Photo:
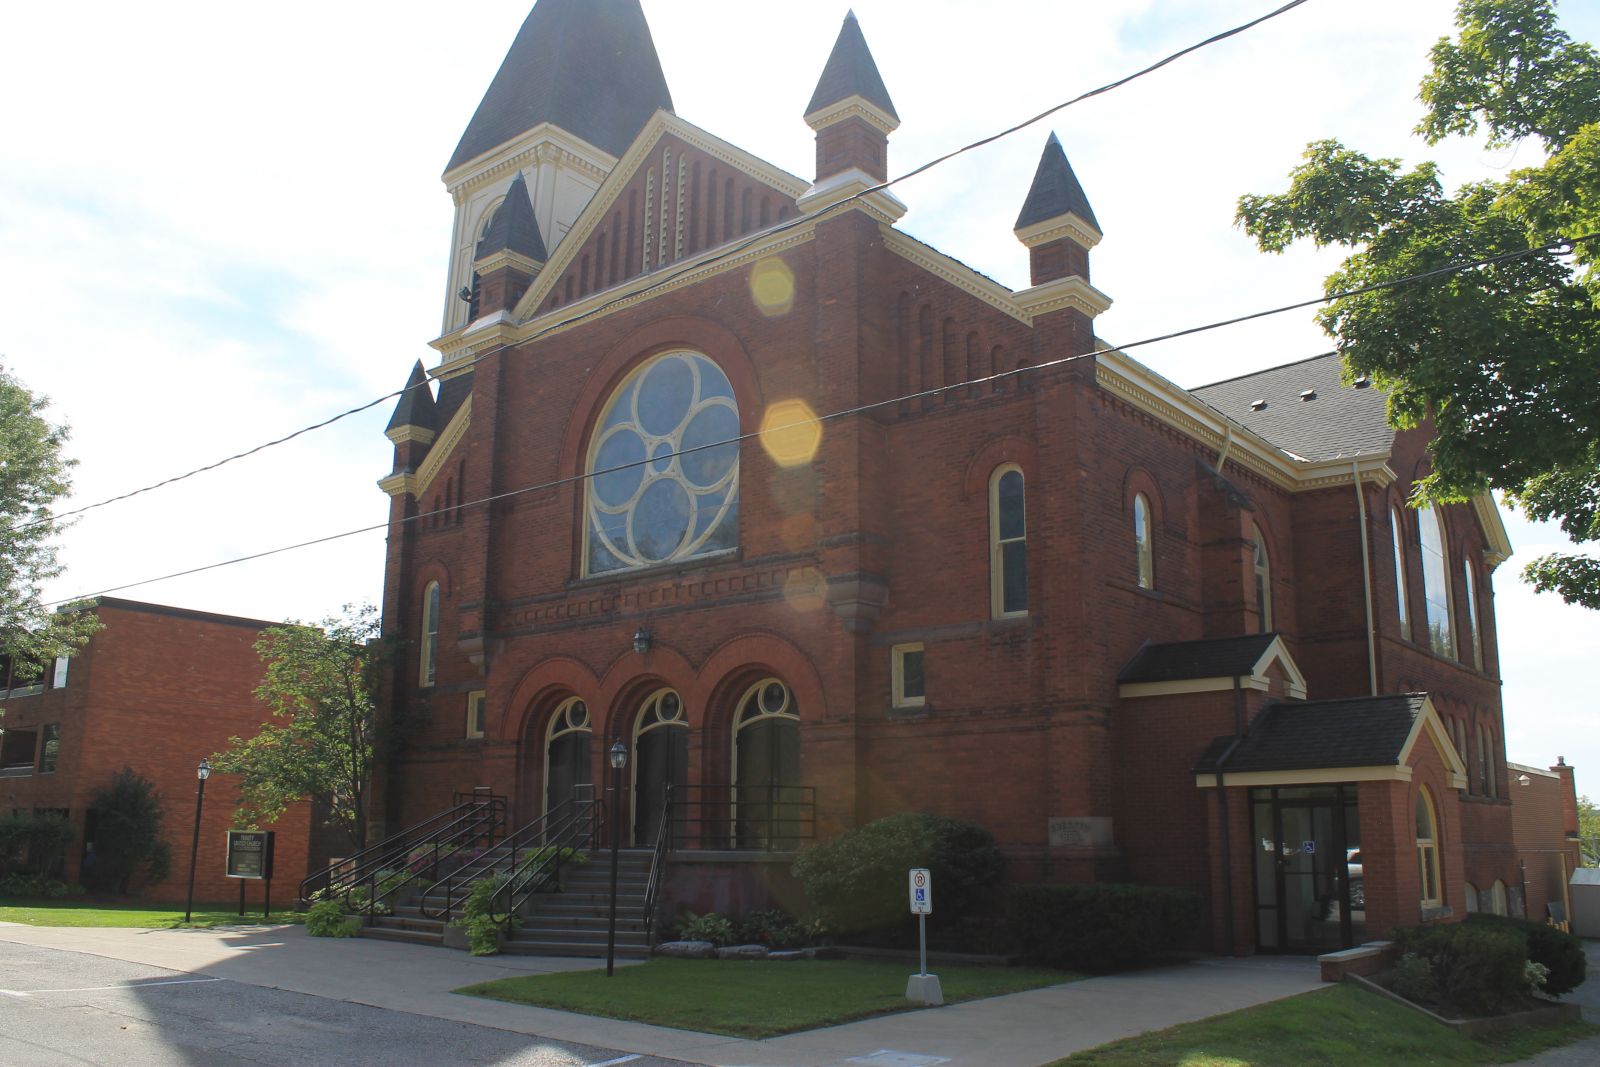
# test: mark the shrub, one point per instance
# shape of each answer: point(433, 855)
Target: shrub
point(1479, 969)
point(483, 932)
point(36, 886)
point(857, 882)
point(328, 920)
point(33, 844)
point(775, 929)
point(1561, 952)
point(1413, 979)
point(128, 836)
point(708, 927)
point(1100, 927)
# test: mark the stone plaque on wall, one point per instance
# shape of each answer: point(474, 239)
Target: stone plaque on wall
point(1087, 831)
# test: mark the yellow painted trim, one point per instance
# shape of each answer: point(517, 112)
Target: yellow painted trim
point(1429, 720)
point(605, 197)
point(1174, 688)
point(400, 484)
point(1070, 225)
point(1313, 776)
point(897, 656)
point(955, 272)
point(447, 442)
point(1257, 680)
point(997, 591)
point(1494, 530)
point(402, 434)
point(481, 698)
point(1072, 291)
point(853, 106)
point(504, 257)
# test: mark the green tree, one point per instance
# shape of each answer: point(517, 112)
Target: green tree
point(1504, 358)
point(320, 685)
point(1589, 831)
point(128, 818)
point(33, 476)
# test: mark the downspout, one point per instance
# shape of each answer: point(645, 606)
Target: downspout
point(1366, 580)
point(1222, 807)
point(1227, 446)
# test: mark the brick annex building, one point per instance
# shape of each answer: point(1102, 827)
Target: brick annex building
point(1142, 633)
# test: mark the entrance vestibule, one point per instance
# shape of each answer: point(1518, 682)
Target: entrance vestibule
point(1310, 887)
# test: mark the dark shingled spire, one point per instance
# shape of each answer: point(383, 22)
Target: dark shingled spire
point(1055, 190)
point(513, 228)
point(850, 72)
point(416, 407)
point(587, 66)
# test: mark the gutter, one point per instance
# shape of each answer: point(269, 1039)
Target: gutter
point(1222, 807)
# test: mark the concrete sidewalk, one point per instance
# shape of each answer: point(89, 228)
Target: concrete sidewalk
point(1019, 1030)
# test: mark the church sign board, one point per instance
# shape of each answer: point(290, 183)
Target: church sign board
point(250, 854)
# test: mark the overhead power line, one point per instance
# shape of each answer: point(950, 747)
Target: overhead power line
point(671, 276)
point(859, 409)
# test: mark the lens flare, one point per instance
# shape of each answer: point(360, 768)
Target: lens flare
point(805, 589)
point(791, 433)
point(772, 286)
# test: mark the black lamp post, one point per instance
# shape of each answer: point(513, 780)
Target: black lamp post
point(202, 772)
point(619, 759)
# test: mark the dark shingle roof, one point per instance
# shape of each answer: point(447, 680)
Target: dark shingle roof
point(1340, 420)
point(850, 71)
point(1055, 190)
point(416, 406)
point(513, 227)
point(1222, 657)
point(453, 392)
point(587, 66)
point(1359, 732)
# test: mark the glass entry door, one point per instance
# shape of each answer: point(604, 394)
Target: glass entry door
point(1310, 895)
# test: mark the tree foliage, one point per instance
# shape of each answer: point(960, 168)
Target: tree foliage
point(128, 842)
point(33, 476)
point(320, 685)
point(1504, 358)
point(1589, 831)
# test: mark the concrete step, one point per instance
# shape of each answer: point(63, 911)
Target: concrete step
point(412, 937)
point(573, 948)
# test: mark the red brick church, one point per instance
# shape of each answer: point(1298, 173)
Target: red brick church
point(823, 525)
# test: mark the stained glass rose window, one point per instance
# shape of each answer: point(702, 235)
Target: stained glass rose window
point(661, 487)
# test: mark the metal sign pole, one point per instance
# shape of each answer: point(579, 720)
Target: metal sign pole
point(922, 986)
point(922, 937)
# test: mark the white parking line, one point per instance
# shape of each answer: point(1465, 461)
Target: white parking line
point(100, 988)
point(613, 1063)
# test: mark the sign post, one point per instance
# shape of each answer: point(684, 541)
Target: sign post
point(922, 986)
point(250, 858)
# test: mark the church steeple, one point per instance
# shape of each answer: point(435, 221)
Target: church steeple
point(851, 110)
point(1056, 223)
point(587, 66)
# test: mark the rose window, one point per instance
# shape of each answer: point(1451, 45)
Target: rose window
point(664, 467)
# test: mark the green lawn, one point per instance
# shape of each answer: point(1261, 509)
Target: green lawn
point(1342, 1026)
point(753, 998)
point(163, 917)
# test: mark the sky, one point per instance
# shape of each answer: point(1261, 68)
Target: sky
point(220, 223)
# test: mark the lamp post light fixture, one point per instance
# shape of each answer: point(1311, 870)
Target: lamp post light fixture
point(641, 645)
point(202, 772)
point(619, 759)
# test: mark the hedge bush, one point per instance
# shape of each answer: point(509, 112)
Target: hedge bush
point(857, 881)
point(327, 919)
point(1561, 952)
point(1478, 969)
point(1101, 927)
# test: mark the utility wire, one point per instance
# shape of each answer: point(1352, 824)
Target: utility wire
point(571, 479)
point(733, 250)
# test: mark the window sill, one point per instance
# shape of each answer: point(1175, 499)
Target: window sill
point(16, 772)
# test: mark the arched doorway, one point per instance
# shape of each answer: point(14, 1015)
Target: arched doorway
point(661, 745)
point(566, 754)
point(766, 767)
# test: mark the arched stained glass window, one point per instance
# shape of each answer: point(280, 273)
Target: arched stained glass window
point(663, 487)
point(1435, 581)
point(429, 658)
point(1428, 849)
point(1470, 585)
point(1263, 569)
point(1008, 543)
point(1144, 542)
point(1400, 572)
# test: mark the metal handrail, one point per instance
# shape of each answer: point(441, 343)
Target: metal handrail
point(542, 868)
point(464, 822)
point(754, 818)
point(532, 835)
point(658, 863)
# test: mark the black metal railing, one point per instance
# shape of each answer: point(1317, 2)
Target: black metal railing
point(365, 881)
point(772, 818)
point(658, 863)
point(528, 859)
